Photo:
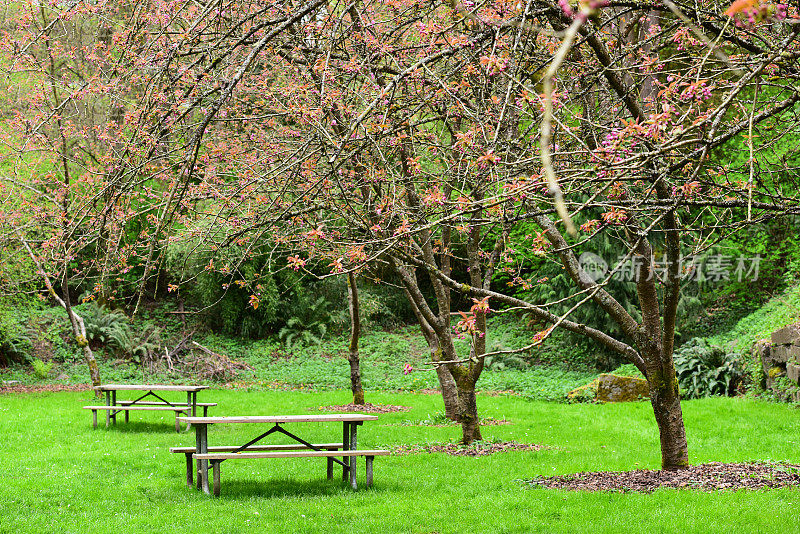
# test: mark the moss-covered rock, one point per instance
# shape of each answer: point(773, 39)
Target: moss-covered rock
point(614, 388)
point(587, 393)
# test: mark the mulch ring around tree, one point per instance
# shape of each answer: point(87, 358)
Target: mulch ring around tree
point(485, 421)
point(478, 448)
point(707, 477)
point(363, 408)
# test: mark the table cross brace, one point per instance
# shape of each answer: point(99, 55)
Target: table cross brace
point(115, 412)
point(154, 395)
point(279, 428)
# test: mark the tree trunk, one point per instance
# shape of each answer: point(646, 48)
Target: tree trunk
point(468, 414)
point(78, 326)
point(355, 333)
point(666, 402)
point(449, 392)
point(79, 332)
point(446, 381)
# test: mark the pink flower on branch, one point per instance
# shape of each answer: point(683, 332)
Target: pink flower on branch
point(295, 262)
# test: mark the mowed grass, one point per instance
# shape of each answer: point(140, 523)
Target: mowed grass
point(60, 475)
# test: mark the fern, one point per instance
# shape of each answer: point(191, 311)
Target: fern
point(41, 369)
point(705, 369)
point(298, 333)
point(113, 329)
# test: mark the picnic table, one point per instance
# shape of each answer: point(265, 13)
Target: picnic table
point(112, 407)
point(343, 453)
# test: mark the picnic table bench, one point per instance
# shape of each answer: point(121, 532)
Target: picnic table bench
point(112, 407)
point(344, 453)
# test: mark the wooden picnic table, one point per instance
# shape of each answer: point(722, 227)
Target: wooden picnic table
point(349, 446)
point(112, 407)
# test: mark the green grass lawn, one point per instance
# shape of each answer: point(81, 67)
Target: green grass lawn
point(60, 475)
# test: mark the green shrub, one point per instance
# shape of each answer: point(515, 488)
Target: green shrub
point(297, 334)
point(587, 393)
point(113, 329)
point(784, 389)
point(704, 369)
point(15, 340)
point(498, 362)
point(627, 370)
point(104, 326)
point(41, 369)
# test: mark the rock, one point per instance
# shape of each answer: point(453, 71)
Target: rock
point(793, 372)
point(786, 335)
point(10, 382)
point(761, 352)
point(62, 376)
point(613, 388)
point(586, 393)
point(780, 354)
point(775, 372)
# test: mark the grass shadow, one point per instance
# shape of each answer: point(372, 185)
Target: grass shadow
point(134, 427)
point(289, 487)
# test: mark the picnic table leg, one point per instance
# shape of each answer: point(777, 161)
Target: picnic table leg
point(114, 403)
point(215, 465)
point(189, 469)
point(108, 412)
point(94, 419)
point(345, 447)
point(191, 400)
point(353, 462)
point(369, 470)
point(330, 468)
point(201, 447)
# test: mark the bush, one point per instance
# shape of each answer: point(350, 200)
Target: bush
point(784, 389)
point(704, 369)
point(498, 362)
point(298, 334)
point(41, 369)
point(15, 341)
point(113, 330)
point(104, 326)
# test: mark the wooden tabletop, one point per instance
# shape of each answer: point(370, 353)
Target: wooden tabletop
point(147, 387)
point(314, 418)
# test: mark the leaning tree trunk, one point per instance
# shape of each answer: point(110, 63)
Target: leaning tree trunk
point(76, 321)
point(446, 382)
point(355, 334)
point(79, 332)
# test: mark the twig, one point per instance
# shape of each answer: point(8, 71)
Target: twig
point(547, 119)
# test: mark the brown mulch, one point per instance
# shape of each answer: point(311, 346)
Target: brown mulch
point(475, 449)
point(42, 388)
point(707, 477)
point(363, 408)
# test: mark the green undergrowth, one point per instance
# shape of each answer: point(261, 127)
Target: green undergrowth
point(61, 476)
point(324, 366)
point(779, 311)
